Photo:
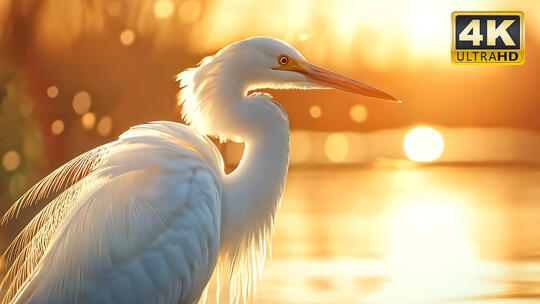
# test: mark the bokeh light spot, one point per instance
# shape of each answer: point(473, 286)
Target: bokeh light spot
point(163, 8)
point(336, 147)
point(104, 126)
point(127, 37)
point(315, 111)
point(52, 91)
point(358, 113)
point(57, 127)
point(300, 146)
point(303, 37)
point(11, 160)
point(189, 11)
point(88, 120)
point(423, 144)
point(82, 102)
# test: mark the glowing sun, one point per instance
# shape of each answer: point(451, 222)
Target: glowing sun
point(423, 144)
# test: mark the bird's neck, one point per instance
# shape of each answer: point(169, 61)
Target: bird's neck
point(215, 103)
point(252, 192)
point(251, 196)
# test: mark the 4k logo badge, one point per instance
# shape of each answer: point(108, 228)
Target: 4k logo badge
point(488, 38)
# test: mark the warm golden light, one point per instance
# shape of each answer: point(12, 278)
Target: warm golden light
point(336, 147)
point(88, 120)
point(114, 8)
point(429, 238)
point(127, 37)
point(11, 160)
point(104, 126)
point(358, 113)
point(163, 8)
point(52, 91)
point(427, 242)
point(315, 111)
point(57, 127)
point(423, 144)
point(189, 11)
point(362, 221)
point(300, 146)
point(82, 102)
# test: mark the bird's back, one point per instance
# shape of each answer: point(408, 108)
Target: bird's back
point(139, 224)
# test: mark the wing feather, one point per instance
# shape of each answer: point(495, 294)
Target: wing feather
point(26, 249)
point(69, 186)
point(59, 180)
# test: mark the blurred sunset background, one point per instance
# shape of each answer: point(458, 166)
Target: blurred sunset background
point(433, 200)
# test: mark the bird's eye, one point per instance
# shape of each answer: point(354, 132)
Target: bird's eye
point(283, 60)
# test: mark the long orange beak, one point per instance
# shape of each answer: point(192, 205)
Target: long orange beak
point(344, 83)
point(328, 78)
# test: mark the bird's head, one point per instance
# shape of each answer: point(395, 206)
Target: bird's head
point(271, 63)
point(211, 93)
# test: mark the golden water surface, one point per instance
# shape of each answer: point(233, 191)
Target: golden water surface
point(407, 234)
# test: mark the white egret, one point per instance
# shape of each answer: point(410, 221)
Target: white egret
point(152, 217)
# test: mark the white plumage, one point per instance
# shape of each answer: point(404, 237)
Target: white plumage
point(152, 217)
point(142, 223)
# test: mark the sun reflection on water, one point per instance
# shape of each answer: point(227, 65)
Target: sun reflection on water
point(430, 254)
point(404, 235)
